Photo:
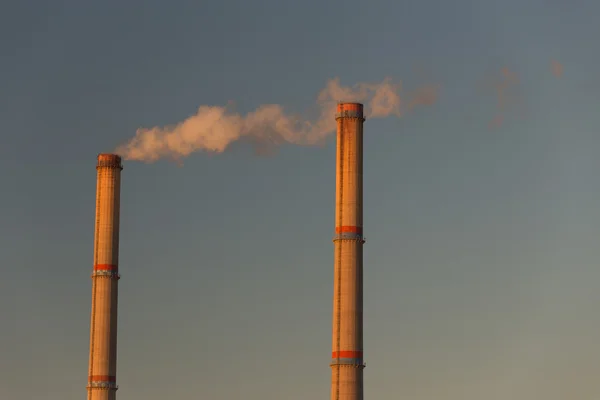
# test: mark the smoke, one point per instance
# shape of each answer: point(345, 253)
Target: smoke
point(503, 95)
point(423, 96)
point(496, 122)
point(505, 86)
point(557, 68)
point(214, 128)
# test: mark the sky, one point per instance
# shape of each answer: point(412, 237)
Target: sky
point(480, 210)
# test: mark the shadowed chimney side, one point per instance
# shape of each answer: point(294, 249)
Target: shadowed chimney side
point(102, 374)
point(347, 348)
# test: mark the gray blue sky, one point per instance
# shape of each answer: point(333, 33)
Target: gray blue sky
point(481, 276)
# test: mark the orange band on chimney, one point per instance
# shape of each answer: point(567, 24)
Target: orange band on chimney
point(105, 267)
point(347, 354)
point(348, 228)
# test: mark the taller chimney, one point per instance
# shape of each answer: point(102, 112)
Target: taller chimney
point(347, 350)
point(102, 374)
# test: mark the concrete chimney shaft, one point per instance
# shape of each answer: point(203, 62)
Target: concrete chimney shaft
point(347, 340)
point(102, 374)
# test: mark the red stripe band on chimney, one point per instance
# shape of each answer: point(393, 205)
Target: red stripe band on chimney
point(348, 228)
point(347, 354)
point(106, 267)
point(102, 378)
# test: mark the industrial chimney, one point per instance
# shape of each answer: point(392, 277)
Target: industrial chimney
point(102, 379)
point(347, 348)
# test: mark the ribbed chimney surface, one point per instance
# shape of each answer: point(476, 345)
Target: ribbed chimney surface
point(347, 348)
point(102, 375)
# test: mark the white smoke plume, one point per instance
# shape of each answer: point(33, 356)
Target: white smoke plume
point(213, 128)
point(557, 68)
point(505, 86)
